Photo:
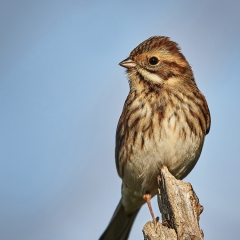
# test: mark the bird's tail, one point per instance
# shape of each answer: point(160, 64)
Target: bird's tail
point(120, 224)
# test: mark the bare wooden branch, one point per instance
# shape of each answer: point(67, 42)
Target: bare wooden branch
point(180, 209)
point(156, 231)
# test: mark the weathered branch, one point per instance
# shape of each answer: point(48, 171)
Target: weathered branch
point(180, 209)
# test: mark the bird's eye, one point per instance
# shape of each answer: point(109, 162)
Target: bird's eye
point(153, 60)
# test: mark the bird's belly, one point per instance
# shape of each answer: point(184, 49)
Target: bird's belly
point(179, 152)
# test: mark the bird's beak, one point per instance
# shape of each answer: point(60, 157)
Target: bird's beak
point(128, 63)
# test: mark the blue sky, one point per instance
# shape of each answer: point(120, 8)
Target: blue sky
point(62, 92)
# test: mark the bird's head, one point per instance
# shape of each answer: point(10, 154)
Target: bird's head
point(159, 61)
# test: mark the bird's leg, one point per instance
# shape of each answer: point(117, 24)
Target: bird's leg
point(147, 197)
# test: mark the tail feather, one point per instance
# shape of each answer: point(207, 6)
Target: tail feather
point(120, 224)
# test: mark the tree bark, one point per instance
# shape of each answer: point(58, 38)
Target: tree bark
point(180, 209)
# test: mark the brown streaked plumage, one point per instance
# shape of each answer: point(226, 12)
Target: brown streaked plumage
point(164, 121)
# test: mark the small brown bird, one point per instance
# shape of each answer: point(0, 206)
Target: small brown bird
point(164, 121)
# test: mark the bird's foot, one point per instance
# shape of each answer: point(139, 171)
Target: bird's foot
point(147, 197)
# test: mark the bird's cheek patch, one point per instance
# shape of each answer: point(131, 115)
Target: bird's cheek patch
point(173, 80)
point(152, 77)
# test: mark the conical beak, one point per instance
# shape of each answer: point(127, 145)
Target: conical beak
point(128, 63)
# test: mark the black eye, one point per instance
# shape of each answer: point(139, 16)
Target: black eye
point(153, 60)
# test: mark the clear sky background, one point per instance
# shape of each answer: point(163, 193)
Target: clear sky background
point(62, 92)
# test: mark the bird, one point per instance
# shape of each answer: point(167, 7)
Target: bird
point(164, 121)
